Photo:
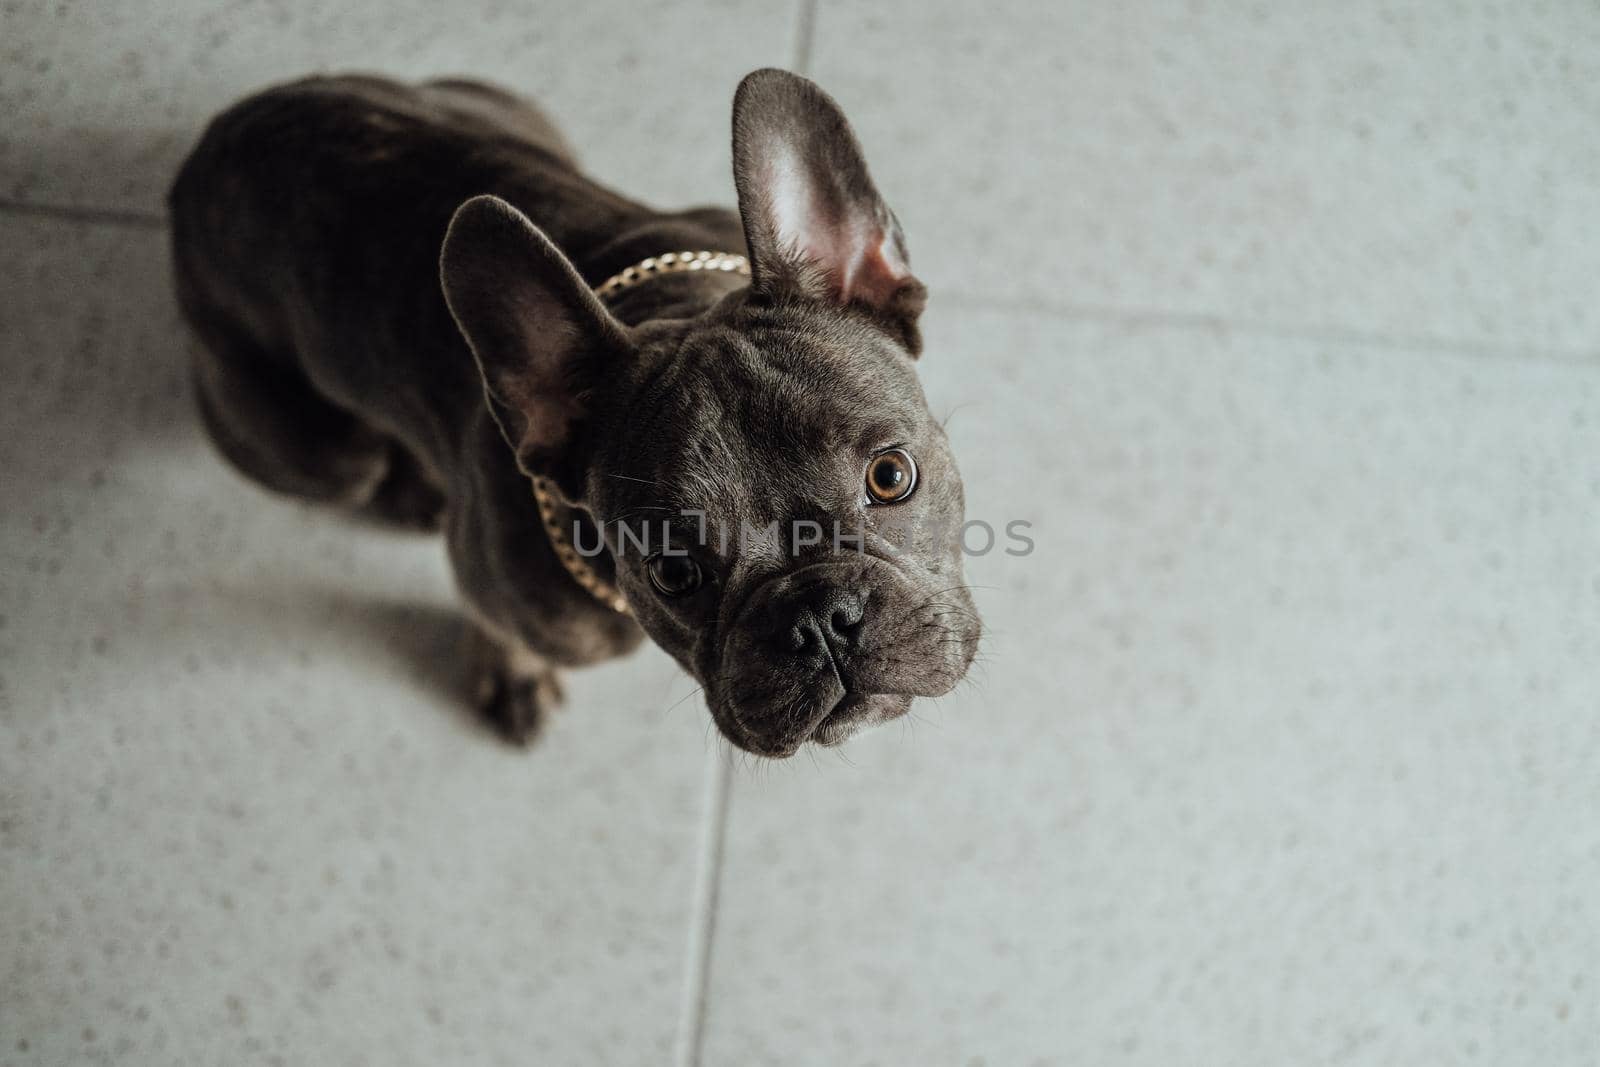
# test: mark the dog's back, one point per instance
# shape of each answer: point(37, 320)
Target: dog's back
point(309, 173)
point(308, 207)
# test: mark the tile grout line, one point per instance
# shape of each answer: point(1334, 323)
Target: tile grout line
point(1201, 320)
point(703, 918)
point(805, 34)
point(1147, 316)
point(72, 213)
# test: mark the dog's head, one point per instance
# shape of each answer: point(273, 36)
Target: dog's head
point(783, 509)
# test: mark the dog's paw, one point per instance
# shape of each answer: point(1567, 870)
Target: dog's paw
point(516, 705)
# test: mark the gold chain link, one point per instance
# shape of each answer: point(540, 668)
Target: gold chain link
point(672, 263)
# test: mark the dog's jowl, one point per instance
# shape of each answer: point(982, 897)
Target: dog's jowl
point(704, 426)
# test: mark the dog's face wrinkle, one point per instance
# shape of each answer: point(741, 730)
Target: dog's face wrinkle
point(905, 635)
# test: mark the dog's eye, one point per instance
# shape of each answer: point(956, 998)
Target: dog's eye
point(674, 575)
point(891, 476)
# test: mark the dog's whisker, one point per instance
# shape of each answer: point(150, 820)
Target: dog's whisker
point(631, 478)
point(696, 692)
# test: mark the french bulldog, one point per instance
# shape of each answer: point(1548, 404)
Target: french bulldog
point(394, 292)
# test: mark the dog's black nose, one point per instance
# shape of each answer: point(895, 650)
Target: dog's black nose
point(826, 619)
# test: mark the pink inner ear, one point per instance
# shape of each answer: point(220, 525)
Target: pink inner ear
point(859, 259)
point(854, 251)
point(874, 272)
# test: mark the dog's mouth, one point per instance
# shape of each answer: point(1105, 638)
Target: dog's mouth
point(857, 712)
point(839, 716)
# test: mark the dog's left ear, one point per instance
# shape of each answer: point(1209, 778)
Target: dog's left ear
point(814, 222)
point(544, 343)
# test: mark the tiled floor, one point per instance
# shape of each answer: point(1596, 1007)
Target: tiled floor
point(1279, 324)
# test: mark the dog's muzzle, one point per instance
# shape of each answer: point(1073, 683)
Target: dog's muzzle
point(818, 653)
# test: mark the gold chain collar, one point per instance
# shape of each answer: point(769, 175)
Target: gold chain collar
point(671, 263)
point(544, 492)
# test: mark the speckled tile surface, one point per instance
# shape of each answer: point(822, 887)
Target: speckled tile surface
point(1277, 322)
point(103, 100)
point(243, 816)
point(1417, 170)
point(1283, 747)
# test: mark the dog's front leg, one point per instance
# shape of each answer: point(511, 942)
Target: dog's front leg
point(497, 547)
point(528, 616)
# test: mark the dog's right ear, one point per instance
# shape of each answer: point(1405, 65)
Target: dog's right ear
point(543, 341)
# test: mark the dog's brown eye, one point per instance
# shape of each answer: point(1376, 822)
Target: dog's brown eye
point(674, 575)
point(891, 476)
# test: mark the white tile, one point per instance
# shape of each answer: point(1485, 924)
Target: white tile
point(1282, 748)
point(103, 100)
point(1418, 170)
point(244, 816)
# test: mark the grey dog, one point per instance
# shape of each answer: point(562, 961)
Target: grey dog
point(395, 292)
